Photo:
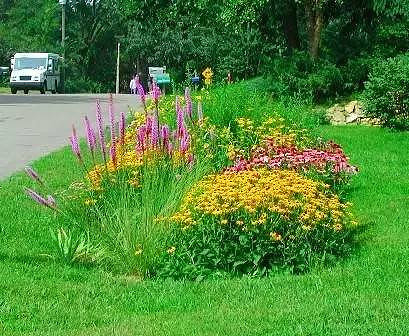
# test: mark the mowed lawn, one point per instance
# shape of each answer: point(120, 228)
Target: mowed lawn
point(366, 294)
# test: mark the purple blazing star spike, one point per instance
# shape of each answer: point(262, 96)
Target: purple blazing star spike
point(51, 201)
point(140, 90)
point(155, 92)
point(112, 118)
point(100, 123)
point(148, 126)
point(75, 145)
point(112, 152)
point(33, 174)
point(155, 131)
point(188, 101)
point(141, 138)
point(179, 117)
point(91, 139)
point(200, 111)
point(37, 197)
point(122, 125)
point(184, 143)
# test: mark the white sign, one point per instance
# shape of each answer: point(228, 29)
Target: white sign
point(63, 2)
point(153, 71)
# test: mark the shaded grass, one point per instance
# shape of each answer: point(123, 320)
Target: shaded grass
point(367, 294)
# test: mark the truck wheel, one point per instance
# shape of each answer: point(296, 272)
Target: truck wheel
point(13, 90)
point(25, 91)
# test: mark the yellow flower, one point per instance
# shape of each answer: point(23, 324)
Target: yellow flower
point(138, 252)
point(89, 202)
point(171, 250)
point(275, 236)
point(223, 221)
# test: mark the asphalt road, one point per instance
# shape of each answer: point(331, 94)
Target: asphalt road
point(34, 125)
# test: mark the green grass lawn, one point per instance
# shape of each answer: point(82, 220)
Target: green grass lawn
point(4, 89)
point(366, 294)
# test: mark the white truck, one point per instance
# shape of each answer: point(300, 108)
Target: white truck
point(35, 71)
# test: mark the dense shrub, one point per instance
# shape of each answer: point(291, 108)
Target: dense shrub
point(83, 85)
point(297, 75)
point(386, 94)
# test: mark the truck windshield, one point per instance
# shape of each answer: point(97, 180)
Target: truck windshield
point(30, 63)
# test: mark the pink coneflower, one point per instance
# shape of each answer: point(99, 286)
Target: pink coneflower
point(188, 101)
point(33, 174)
point(100, 123)
point(112, 118)
point(91, 139)
point(37, 197)
point(74, 144)
point(122, 126)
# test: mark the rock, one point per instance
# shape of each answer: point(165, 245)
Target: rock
point(352, 117)
point(338, 117)
point(351, 107)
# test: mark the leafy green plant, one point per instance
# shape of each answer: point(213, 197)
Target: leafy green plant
point(386, 94)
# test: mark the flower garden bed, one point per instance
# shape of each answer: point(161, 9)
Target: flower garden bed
point(201, 199)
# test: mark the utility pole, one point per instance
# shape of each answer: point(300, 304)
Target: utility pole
point(63, 3)
point(117, 70)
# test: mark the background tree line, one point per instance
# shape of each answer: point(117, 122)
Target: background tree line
point(326, 46)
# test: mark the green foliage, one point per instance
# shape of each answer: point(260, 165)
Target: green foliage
point(209, 249)
point(386, 94)
point(298, 76)
point(83, 85)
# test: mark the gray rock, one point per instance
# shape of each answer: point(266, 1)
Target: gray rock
point(352, 117)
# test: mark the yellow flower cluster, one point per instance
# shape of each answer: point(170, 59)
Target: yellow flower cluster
point(260, 193)
point(273, 128)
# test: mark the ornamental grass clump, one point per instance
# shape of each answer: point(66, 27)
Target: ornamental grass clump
point(133, 176)
point(254, 222)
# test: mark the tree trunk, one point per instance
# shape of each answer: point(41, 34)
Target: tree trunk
point(315, 22)
point(290, 25)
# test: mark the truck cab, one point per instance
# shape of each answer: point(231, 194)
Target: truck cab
point(35, 71)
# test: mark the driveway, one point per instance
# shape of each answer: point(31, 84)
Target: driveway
point(34, 125)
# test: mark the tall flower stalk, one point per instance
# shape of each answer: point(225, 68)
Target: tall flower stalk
point(188, 101)
point(100, 124)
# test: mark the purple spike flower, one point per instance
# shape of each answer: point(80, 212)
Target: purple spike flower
point(188, 100)
point(100, 123)
point(91, 139)
point(75, 145)
point(149, 126)
point(112, 152)
point(179, 118)
point(184, 143)
point(165, 133)
point(33, 174)
point(155, 131)
point(155, 92)
point(122, 126)
point(51, 201)
point(141, 138)
point(140, 90)
point(199, 111)
point(37, 197)
point(112, 118)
